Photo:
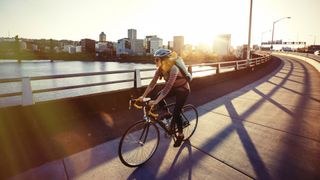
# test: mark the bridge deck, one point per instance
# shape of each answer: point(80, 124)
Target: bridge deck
point(267, 130)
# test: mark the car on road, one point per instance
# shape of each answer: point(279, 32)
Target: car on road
point(317, 53)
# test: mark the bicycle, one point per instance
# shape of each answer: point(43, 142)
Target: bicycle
point(140, 141)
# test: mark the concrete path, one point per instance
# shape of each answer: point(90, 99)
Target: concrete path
point(267, 130)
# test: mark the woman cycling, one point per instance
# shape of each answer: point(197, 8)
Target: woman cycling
point(176, 84)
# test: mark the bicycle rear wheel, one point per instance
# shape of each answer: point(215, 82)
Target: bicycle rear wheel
point(189, 115)
point(139, 143)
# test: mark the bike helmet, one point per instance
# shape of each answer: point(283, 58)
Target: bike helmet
point(162, 53)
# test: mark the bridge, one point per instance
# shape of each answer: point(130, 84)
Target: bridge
point(260, 124)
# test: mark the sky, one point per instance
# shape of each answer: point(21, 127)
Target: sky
point(199, 21)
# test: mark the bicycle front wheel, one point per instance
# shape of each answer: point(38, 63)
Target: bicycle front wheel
point(139, 143)
point(189, 116)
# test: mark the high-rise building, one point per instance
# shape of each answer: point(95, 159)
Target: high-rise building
point(238, 52)
point(88, 45)
point(137, 46)
point(178, 44)
point(123, 46)
point(155, 44)
point(222, 44)
point(102, 37)
point(147, 45)
point(244, 51)
point(170, 45)
point(132, 34)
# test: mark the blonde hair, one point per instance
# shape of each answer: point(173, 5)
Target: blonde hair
point(173, 56)
point(168, 62)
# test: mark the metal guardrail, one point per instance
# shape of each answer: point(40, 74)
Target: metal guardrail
point(27, 92)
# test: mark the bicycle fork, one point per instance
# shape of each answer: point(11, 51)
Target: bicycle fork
point(144, 134)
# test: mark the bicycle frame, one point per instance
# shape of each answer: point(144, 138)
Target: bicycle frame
point(150, 117)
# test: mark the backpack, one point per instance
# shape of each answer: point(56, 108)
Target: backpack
point(183, 69)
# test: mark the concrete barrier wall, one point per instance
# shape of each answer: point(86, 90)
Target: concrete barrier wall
point(315, 63)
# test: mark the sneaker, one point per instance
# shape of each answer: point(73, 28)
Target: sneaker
point(171, 131)
point(167, 115)
point(179, 140)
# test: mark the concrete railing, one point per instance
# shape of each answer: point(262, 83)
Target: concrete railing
point(27, 92)
point(307, 55)
point(312, 59)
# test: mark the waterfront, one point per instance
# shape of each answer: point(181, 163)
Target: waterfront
point(12, 69)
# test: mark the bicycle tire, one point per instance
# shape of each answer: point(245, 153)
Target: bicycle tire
point(189, 115)
point(141, 130)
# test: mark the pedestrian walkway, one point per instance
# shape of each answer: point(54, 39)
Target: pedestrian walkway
point(269, 129)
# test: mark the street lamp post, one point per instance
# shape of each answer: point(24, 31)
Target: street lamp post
point(262, 36)
point(314, 39)
point(249, 36)
point(273, 29)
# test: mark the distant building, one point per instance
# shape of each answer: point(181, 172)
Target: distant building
point(244, 51)
point(222, 44)
point(102, 37)
point(34, 47)
point(255, 47)
point(66, 48)
point(313, 48)
point(147, 44)
point(101, 46)
point(105, 49)
point(155, 44)
point(178, 44)
point(132, 34)
point(170, 45)
point(137, 46)
point(123, 46)
point(88, 45)
point(71, 49)
point(62, 43)
point(78, 49)
point(238, 52)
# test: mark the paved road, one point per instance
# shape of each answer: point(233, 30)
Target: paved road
point(266, 130)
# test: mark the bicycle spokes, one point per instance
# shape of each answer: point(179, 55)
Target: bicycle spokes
point(138, 144)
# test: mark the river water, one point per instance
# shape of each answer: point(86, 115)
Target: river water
point(12, 69)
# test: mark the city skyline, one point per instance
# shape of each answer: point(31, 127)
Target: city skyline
point(198, 21)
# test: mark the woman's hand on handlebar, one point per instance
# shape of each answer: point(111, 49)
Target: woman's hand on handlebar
point(152, 103)
point(140, 99)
